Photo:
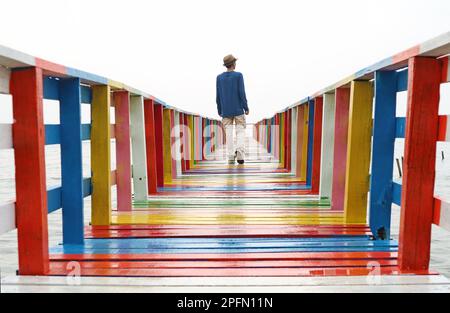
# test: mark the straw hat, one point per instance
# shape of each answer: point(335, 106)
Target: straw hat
point(228, 60)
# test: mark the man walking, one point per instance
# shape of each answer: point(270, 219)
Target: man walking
point(231, 106)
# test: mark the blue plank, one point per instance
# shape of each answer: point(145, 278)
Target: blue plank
point(52, 135)
point(397, 193)
point(51, 88)
point(384, 134)
point(402, 80)
point(71, 161)
point(310, 142)
point(400, 123)
point(86, 132)
point(53, 199)
point(238, 188)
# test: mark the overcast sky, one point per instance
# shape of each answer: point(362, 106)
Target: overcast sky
point(174, 49)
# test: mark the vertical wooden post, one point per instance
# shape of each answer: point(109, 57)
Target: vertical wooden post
point(326, 172)
point(187, 142)
point(287, 162)
point(167, 147)
point(101, 156)
point(123, 150)
point(340, 148)
point(358, 152)
point(150, 141)
point(317, 145)
point(71, 161)
point(309, 167)
point(182, 142)
point(139, 148)
point(26, 88)
point(419, 164)
point(177, 144)
point(282, 140)
point(300, 140)
point(294, 140)
point(159, 140)
point(384, 128)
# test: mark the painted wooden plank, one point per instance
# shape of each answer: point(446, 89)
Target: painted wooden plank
point(6, 139)
point(445, 69)
point(71, 161)
point(139, 153)
point(400, 127)
point(317, 145)
point(397, 193)
point(444, 128)
point(384, 133)
point(340, 148)
point(167, 147)
point(358, 152)
point(158, 110)
point(152, 172)
point(100, 155)
point(442, 215)
point(326, 164)
point(300, 140)
point(123, 150)
point(294, 123)
point(173, 143)
point(419, 163)
point(304, 152)
point(5, 76)
point(288, 128)
point(52, 135)
point(311, 121)
point(7, 217)
point(31, 192)
point(177, 128)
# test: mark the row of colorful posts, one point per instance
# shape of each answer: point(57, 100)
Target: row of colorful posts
point(340, 141)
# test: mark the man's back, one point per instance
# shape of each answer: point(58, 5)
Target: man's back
point(231, 98)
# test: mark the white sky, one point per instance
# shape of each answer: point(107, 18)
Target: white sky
point(174, 49)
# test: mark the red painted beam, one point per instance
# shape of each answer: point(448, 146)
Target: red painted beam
point(317, 145)
point(123, 150)
point(288, 140)
point(31, 191)
point(340, 148)
point(187, 142)
point(419, 164)
point(151, 147)
point(159, 139)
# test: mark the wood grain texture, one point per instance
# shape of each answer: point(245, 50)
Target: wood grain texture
point(317, 145)
point(167, 147)
point(358, 152)
point(159, 141)
point(326, 164)
point(340, 148)
point(150, 142)
point(123, 150)
point(29, 156)
point(100, 155)
point(71, 161)
point(384, 134)
point(139, 150)
point(419, 163)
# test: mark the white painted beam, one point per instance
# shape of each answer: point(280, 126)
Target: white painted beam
point(5, 75)
point(139, 155)
point(7, 217)
point(6, 141)
point(326, 170)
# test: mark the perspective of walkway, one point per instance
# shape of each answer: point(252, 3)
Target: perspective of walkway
point(309, 211)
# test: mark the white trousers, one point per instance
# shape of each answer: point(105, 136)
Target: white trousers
point(228, 123)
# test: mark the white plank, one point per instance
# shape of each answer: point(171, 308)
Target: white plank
point(7, 217)
point(326, 164)
point(6, 141)
point(138, 148)
point(5, 75)
point(445, 216)
point(447, 133)
point(294, 140)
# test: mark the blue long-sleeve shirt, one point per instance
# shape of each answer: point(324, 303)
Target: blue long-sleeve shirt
point(231, 99)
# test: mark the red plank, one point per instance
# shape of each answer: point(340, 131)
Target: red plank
point(123, 150)
point(31, 192)
point(172, 143)
point(182, 142)
point(150, 143)
point(317, 145)
point(287, 140)
point(294, 256)
point(340, 148)
point(419, 163)
point(187, 142)
point(158, 110)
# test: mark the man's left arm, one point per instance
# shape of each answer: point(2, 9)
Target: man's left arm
point(242, 94)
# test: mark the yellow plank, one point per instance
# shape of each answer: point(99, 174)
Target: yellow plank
point(100, 156)
point(167, 147)
point(304, 165)
point(282, 146)
point(358, 152)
